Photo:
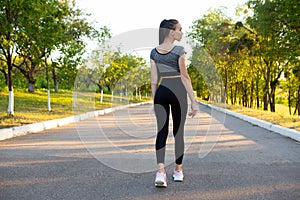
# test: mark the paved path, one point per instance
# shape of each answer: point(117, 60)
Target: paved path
point(112, 157)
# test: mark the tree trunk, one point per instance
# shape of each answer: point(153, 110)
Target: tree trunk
point(266, 88)
point(299, 101)
point(140, 94)
point(257, 93)
point(136, 93)
point(251, 94)
point(74, 99)
point(272, 102)
point(235, 93)
point(10, 109)
point(30, 86)
point(273, 84)
point(272, 97)
point(289, 100)
point(48, 85)
point(225, 89)
point(31, 79)
point(231, 94)
point(298, 106)
point(266, 101)
point(243, 96)
point(101, 96)
point(54, 75)
point(49, 100)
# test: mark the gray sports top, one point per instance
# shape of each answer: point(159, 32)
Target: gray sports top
point(167, 64)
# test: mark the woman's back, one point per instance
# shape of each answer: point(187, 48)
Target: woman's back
point(167, 63)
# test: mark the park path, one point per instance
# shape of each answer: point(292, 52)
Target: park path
point(112, 157)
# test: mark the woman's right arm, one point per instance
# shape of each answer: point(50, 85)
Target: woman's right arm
point(186, 80)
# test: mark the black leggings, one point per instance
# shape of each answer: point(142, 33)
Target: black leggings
point(171, 92)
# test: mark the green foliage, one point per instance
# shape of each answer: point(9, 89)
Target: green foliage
point(250, 56)
point(123, 71)
point(213, 32)
point(113, 72)
point(50, 26)
point(241, 62)
point(2, 82)
point(205, 77)
point(277, 23)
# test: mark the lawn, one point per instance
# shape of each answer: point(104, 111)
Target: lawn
point(32, 107)
point(281, 115)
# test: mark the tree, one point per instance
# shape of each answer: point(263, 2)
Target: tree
point(55, 26)
point(251, 56)
point(232, 47)
point(269, 20)
point(118, 67)
point(213, 32)
point(205, 75)
point(11, 12)
point(289, 22)
point(51, 25)
point(244, 68)
point(99, 60)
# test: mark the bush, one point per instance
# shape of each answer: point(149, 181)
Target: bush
point(2, 83)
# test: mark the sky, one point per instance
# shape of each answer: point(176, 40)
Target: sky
point(126, 15)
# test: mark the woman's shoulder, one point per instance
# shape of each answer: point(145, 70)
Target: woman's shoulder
point(179, 50)
point(152, 53)
point(178, 47)
point(154, 50)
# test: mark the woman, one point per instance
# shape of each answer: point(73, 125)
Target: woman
point(168, 66)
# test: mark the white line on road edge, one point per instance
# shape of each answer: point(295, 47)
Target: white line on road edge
point(8, 133)
point(293, 134)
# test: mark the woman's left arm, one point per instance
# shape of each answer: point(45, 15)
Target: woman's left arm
point(154, 77)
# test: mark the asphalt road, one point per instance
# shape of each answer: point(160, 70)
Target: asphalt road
point(113, 157)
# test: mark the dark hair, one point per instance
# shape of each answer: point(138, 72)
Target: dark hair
point(165, 27)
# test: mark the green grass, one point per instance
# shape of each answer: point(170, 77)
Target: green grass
point(32, 107)
point(280, 117)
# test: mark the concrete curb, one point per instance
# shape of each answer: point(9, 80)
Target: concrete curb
point(293, 134)
point(8, 133)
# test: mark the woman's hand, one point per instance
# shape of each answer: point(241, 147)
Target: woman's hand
point(194, 110)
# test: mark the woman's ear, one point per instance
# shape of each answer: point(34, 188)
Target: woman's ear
point(172, 32)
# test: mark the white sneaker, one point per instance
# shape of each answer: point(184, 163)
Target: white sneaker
point(178, 176)
point(160, 180)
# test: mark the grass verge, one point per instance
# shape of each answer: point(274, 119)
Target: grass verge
point(280, 117)
point(32, 107)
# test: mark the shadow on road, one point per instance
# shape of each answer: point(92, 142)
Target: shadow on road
point(112, 157)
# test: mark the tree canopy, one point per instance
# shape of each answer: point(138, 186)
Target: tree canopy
point(254, 57)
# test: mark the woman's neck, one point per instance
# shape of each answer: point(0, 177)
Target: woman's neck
point(167, 45)
point(168, 41)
